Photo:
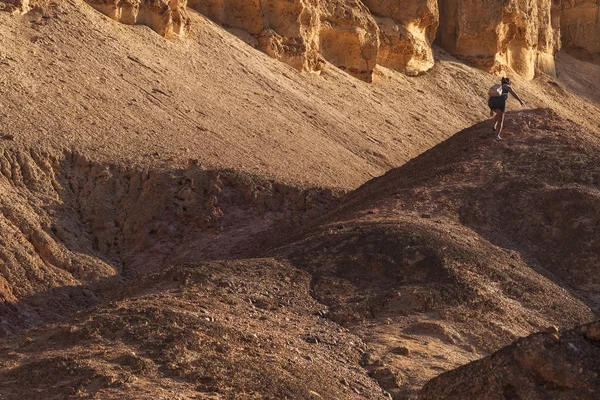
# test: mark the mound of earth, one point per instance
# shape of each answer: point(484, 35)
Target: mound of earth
point(221, 330)
point(535, 194)
point(551, 365)
point(463, 249)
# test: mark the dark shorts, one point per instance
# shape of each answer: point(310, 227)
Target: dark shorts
point(497, 103)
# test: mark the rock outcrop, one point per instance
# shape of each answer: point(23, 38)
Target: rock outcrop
point(557, 365)
point(407, 29)
point(304, 33)
point(520, 34)
point(580, 28)
point(166, 17)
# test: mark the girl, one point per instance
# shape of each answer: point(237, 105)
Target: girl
point(497, 106)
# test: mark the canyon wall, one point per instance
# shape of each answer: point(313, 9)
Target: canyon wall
point(520, 36)
point(407, 29)
point(580, 28)
point(166, 17)
point(496, 35)
point(304, 33)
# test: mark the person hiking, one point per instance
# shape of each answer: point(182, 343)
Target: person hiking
point(497, 103)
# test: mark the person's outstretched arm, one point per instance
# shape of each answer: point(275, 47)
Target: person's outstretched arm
point(515, 95)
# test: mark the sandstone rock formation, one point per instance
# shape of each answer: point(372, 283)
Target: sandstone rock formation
point(304, 33)
point(520, 34)
point(580, 28)
point(407, 29)
point(166, 17)
point(542, 366)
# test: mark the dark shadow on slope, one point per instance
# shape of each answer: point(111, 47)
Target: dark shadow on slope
point(75, 222)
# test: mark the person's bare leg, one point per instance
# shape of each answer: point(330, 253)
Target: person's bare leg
point(496, 118)
point(500, 116)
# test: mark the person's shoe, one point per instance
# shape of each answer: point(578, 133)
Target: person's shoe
point(495, 125)
point(497, 138)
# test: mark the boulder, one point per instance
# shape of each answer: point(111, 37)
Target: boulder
point(549, 365)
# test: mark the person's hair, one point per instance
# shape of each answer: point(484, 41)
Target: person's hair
point(506, 81)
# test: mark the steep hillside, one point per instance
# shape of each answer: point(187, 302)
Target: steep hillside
point(425, 269)
point(73, 79)
point(463, 249)
point(537, 193)
point(115, 140)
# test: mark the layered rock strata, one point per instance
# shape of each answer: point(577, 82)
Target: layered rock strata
point(166, 17)
point(407, 29)
point(304, 33)
point(580, 28)
point(494, 35)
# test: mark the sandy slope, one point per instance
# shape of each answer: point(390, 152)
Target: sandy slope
point(71, 78)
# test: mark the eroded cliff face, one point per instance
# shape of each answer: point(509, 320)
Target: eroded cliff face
point(304, 33)
point(407, 29)
point(166, 17)
point(353, 35)
point(494, 35)
point(580, 28)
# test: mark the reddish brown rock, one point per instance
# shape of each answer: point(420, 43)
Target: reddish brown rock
point(536, 367)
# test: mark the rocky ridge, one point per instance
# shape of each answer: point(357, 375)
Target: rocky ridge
point(460, 250)
point(549, 365)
